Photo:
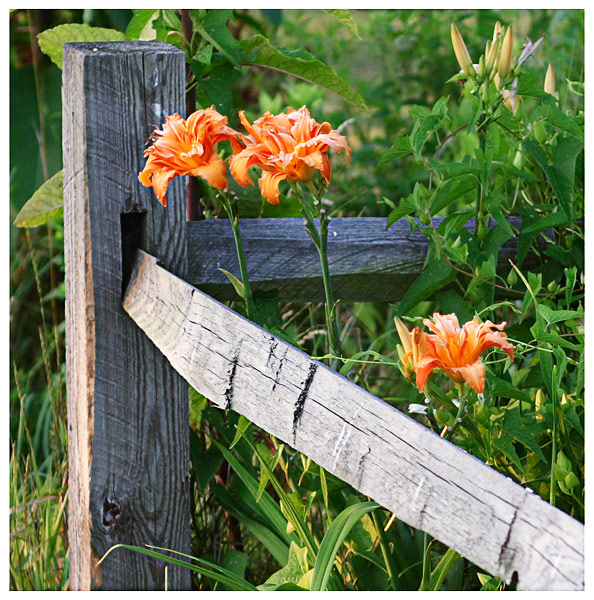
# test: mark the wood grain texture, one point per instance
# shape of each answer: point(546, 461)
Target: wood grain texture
point(367, 263)
point(427, 481)
point(128, 409)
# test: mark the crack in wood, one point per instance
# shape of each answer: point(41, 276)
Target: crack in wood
point(229, 388)
point(299, 405)
point(504, 561)
point(360, 466)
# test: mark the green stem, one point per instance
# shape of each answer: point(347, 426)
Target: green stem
point(463, 401)
point(233, 214)
point(554, 445)
point(320, 240)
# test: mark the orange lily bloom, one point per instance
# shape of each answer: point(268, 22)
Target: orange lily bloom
point(414, 346)
point(456, 351)
point(289, 145)
point(188, 148)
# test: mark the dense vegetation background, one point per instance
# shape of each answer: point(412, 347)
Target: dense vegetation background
point(399, 62)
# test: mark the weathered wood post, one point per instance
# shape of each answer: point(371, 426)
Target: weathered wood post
point(127, 407)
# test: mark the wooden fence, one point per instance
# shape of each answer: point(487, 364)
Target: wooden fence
point(138, 329)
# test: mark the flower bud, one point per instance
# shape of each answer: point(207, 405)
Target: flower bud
point(505, 56)
point(461, 53)
point(491, 54)
point(549, 84)
point(497, 31)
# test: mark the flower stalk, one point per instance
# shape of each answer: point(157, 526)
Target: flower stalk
point(320, 239)
point(230, 205)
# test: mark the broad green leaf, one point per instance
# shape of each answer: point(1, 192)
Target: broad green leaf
point(46, 202)
point(556, 219)
point(406, 207)
point(297, 565)
point(204, 55)
point(140, 26)
point(335, 536)
point(451, 170)
point(523, 432)
point(452, 190)
point(213, 28)
point(51, 41)
point(504, 389)
point(299, 63)
point(560, 173)
point(436, 274)
point(218, 86)
point(505, 443)
point(552, 115)
point(556, 316)
point(420, 132)
point(401, 147)
point(235, 562)
point(204, 567)
point(345, 17)
point(531, 84)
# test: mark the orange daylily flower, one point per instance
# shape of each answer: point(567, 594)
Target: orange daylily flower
point(289, 145)
point(414, 346)
point(456, 351)
point(188, 148)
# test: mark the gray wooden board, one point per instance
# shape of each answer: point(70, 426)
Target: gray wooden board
point(425, 480)
point(128, 409)
point(367, 262)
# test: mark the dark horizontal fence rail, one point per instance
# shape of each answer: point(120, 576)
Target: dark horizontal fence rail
point(367, 262)
point(425, 480)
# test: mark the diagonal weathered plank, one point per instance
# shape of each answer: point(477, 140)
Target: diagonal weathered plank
point(426, 481)
point(367, 262)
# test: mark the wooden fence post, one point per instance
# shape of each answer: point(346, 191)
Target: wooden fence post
point(127, 407)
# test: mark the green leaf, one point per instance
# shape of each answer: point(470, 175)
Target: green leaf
point(401, 147)
point(441, 570)
point(505, 444)
point(556, 219)
point(561, 172)
point(556, 316)
point(299, 63)
point(218, 86)
point(553, 116)
point(436, 274)
point(420, 132)
point(51, 41)
point(335, 536)
point(345, 17)
point(269, 507)
point(522, 432)
point(237, 283)
point(452, 190)
point(242, 425)
point(451, 170)
point(406, 207)
point(240, 509)
point(295, 568)
point(213, 28)
point(140, 26)
point(204, 567)
point(204, 55)
point(46, 202)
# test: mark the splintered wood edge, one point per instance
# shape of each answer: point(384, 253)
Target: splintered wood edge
point(428, 482)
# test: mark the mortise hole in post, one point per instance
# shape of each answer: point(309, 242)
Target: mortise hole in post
point(133, 229)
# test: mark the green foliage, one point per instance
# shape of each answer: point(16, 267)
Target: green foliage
point(425, 145)
point(51, 41)
point(46, 203)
